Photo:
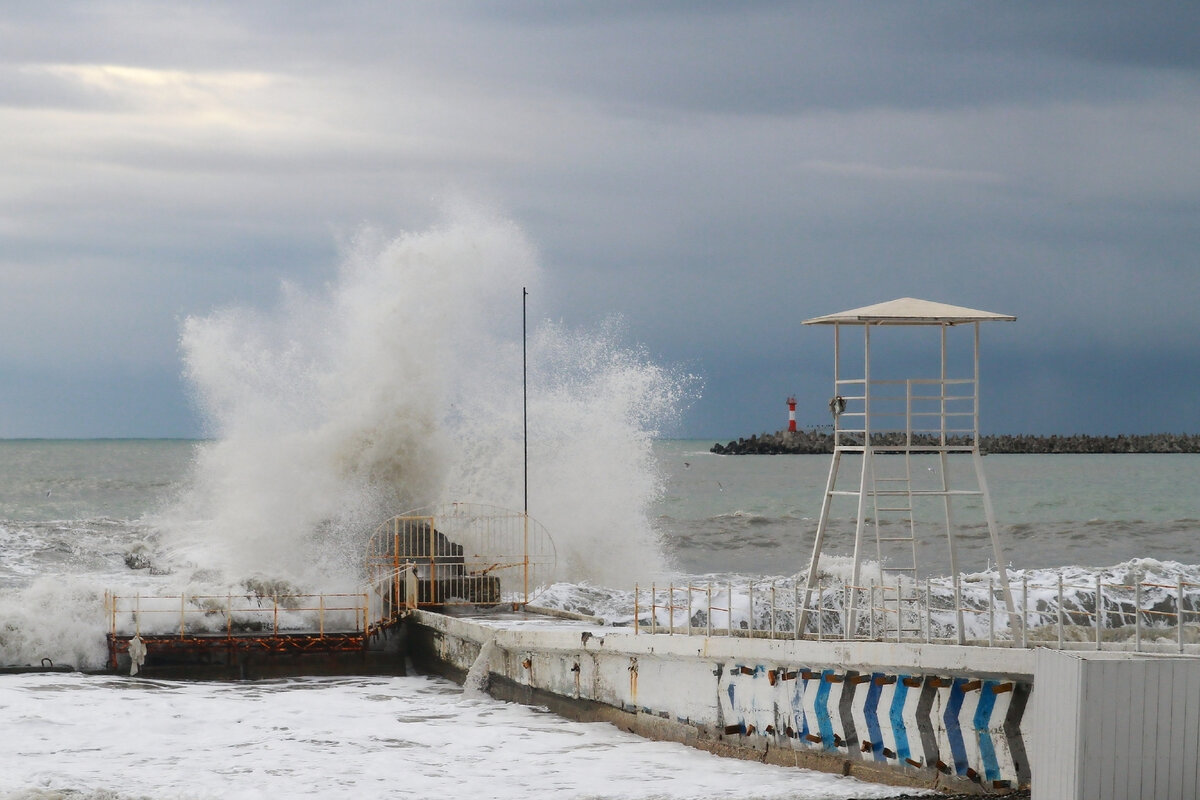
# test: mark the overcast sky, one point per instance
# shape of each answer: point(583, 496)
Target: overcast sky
point(713, 172)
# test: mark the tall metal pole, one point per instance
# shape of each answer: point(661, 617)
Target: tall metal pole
point(525, 433)
point(525, 391)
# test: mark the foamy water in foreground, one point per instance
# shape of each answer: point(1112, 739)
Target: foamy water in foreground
point(345, 737)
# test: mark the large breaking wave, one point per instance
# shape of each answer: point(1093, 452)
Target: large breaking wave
point(398, 385)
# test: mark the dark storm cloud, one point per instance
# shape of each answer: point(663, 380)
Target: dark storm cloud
point(782, 58)
point(716, 172)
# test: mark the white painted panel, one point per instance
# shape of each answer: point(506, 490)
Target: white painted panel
point(1161, 680)
point(1136, 674)
point(1181, 736)
point(1054, 709)
point(966, 723)
point(1158, 713)
point(1099, 726)
point(1190, 774)
point(1091, 718)
point(887, 694)
point(1116, 738)
point(1185, 778)
point(999, 740)
point(1149, 732)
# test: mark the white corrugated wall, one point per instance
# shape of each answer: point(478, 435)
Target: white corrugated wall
point(1115, 727)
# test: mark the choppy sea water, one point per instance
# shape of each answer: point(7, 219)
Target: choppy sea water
point(759, 513)
point(72, 513)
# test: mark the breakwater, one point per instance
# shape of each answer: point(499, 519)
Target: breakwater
point(820, 442)
point(919, 715)
point(984, 720)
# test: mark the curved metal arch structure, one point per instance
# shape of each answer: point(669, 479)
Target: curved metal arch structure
point(462, 554)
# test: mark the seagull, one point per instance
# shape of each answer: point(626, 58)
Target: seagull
point(687, 465)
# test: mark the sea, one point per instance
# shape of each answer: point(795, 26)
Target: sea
point(405, 380)
point(74, 513)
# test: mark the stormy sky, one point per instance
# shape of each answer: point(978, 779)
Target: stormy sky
point(713, 172)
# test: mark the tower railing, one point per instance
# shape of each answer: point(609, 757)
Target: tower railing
point(926, 414)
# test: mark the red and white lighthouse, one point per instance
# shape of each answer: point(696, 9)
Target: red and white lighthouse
point(791, 414)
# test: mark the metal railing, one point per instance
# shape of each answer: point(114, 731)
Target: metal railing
point(230, 613)
point(390, 596)
point(381, 603)
point(1140, 616)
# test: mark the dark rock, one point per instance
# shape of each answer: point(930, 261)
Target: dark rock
point(138, 558)
point(821, 443)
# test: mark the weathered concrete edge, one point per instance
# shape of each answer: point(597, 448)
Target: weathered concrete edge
point(1000, 662)
point(451, 646)
point(701, 737)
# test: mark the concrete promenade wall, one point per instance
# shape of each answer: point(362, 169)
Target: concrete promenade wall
point(936, 716)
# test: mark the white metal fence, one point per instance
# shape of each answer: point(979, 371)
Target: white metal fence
point(195, 614)
point(379, 604)
point(1067, 613)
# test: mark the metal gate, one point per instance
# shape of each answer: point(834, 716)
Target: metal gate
point(464, 554)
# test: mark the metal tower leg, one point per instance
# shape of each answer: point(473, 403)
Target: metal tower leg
point(951, 541)
point(1001, 564)
point(859, 526)
point(875, 521)
point(822, 523)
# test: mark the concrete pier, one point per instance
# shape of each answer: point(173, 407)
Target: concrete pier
point(1069, 724)
point(1081, 725)
point(929, 716)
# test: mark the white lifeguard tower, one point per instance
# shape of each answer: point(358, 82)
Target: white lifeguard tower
point(905, 430)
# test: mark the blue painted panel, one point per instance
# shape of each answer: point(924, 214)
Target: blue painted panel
point(958, 750)
point(983, 724)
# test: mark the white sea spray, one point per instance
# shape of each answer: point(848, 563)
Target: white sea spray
point(53, 620)
point(398, 386)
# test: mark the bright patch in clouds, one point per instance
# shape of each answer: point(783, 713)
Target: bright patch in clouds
point(224, 98)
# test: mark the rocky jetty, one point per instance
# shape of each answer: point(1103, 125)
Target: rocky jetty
point(821, 442)
point(783, 442)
